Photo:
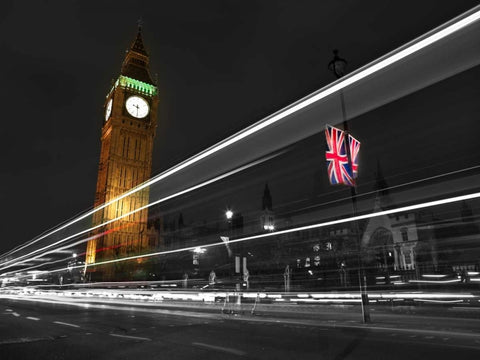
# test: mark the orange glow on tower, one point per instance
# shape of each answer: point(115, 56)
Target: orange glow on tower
point(125, 160)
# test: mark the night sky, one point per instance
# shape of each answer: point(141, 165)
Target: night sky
point(221, 65)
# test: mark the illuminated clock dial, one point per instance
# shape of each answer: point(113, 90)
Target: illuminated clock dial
point(108, 109)
point(137, 107)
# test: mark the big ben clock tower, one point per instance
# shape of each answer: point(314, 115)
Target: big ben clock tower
point(125, 162)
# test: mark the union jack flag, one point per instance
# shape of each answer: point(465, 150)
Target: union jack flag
point(339, 169)
point(354, 150)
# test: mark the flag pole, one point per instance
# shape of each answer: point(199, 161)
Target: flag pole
point(337, 66)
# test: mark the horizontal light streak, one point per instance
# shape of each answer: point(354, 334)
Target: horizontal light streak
point(439, 301)
point(152, 297)
point(300, 228)
point(17, 261)
point(434, 281)
point(348, 80)
point(327, 300)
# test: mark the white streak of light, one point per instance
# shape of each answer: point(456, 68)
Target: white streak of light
point(301, 228)
point(389, 59)
point(434, 281)
point(195, 187)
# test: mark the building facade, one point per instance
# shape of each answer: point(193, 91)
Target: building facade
point(125, 161)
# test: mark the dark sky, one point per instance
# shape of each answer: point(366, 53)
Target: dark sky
point(221, 66)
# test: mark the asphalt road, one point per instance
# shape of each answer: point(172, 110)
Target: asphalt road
point(36, 330)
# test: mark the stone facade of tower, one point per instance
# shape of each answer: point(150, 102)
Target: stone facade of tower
point(125, 162)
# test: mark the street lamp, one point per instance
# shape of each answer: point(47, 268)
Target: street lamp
point(199, 250)
point(338, 67)
point(229, 214)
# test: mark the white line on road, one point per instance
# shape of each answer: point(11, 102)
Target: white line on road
point(15, 314)
point(131, 337)
point(32, 318)
point(9, 310)
point(220, 348)
point(66, 324)
point(23, 340)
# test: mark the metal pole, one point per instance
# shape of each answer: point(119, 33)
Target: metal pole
point(362, 281)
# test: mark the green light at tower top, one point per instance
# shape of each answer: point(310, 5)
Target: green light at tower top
point(129, 83)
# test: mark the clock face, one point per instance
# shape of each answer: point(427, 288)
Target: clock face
point(108, 110)
point(137, 107)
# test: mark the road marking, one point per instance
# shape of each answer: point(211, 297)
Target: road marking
point(32, 318)
point(15, 314)
point(9, 310)
point(220, 348)
point(131, 337)
point(24, 340)
point(66, 324)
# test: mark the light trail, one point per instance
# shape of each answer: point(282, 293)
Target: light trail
point(300, 228)
point(150, 298)
point(389, 59)
point(17, 261)
point(59, 250)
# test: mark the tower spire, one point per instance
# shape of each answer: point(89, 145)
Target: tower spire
point(136, 61)
point(137, 45)
point(267, 199)
point(382, 197)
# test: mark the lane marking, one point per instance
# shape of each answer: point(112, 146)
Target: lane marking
point(9, 310)
point(220, 348)
point(15, 314)
point(24, 340)
point(131, 337)
point(66, 324)
point(32, 318)
point(317, 325)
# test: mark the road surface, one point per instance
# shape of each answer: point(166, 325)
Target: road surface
point(37, 330)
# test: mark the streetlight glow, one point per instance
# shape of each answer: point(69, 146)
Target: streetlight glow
point(199, 250)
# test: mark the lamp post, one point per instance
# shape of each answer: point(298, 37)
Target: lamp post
point(229, 215)
point(338, 66)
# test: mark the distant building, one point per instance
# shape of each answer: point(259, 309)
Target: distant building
point(267, 219)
